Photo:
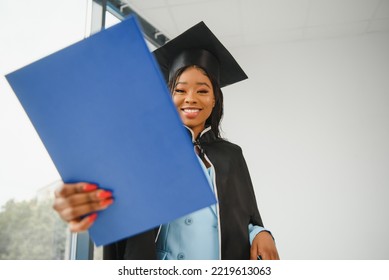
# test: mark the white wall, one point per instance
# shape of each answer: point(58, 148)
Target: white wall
point(313, 122)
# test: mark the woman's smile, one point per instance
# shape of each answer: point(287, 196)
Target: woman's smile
point(190, 112)
point(194, 98)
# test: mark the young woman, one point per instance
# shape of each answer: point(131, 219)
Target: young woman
point(196, 65)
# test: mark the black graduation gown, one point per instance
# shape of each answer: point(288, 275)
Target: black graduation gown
point(237, 206)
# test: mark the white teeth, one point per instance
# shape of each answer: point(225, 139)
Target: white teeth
point(191, 110)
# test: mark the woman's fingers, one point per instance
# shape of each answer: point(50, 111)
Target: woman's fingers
point(69, 189)
point(74, 212)
point(82, 224)
point(75, 201)
point(78, 199)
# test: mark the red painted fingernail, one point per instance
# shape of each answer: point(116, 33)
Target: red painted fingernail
point(104, 194)
point(106, 202)
point(92, 217)
point(90, 187)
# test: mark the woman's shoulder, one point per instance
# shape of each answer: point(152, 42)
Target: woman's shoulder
point(227, 145)
point(215, 142)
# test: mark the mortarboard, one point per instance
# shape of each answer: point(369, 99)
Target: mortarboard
point(199, 46)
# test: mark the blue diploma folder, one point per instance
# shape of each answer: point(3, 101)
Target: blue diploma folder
point(104, 114)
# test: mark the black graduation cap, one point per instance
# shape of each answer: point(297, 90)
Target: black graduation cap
point(199, 46)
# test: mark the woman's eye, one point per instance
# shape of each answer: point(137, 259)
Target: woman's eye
point(203, 91)
point(179, 90)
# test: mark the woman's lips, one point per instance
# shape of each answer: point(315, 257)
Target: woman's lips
point(191, 113)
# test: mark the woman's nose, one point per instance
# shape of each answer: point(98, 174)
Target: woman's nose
point(190, 98)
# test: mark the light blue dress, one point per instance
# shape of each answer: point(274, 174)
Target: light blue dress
point(195, 236)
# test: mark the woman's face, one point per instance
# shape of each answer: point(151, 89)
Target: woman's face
point(194, 98)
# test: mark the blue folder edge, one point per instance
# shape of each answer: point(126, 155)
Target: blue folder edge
point(102, 109)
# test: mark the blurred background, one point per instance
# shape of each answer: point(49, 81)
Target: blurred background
point(312, 119)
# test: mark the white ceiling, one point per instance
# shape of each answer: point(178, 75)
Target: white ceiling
point(240, 23)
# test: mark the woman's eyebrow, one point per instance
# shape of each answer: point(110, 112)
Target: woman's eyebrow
point(205, 84)
point(198, 83)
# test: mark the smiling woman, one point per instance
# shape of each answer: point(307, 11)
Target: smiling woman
point(195, 65)
point(313, 118)
point(194, 98)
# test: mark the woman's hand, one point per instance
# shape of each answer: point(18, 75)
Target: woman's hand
point(264, 246)
point(77, 204)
